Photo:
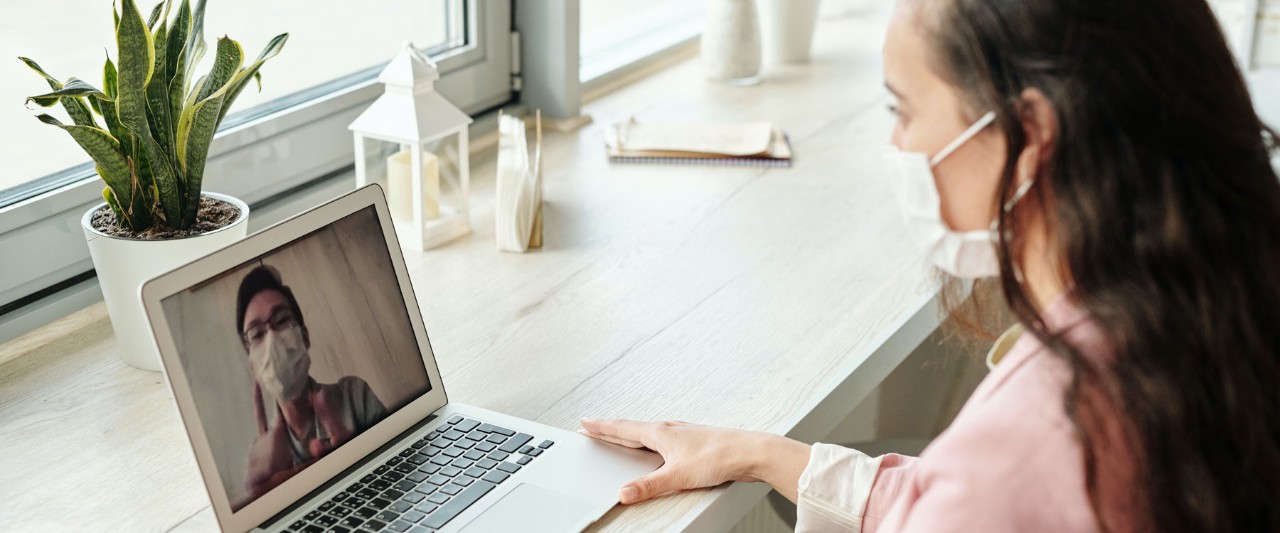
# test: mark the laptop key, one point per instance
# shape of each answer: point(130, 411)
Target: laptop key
point(535, 452)
point(503, 431)
point(395, 460)
point(526, 449)
point(352, 522)
point(413, 516)
point(508, 467)
point(340, 511)
point(462, 462)
point(416, 459)
point(438, 497)
point(393, 494)
point(327, 520)
point(313, 528)
point(438, 479)
point(399, 525)
point(375, 525)
point(397, 474)
point(387, 516)
point(453, 434)
point(487, 428)
point(475, 472)
point(465, 444)
point(429, 469)
point(485, 447)
point(404, 485)
point(366, 512)
point(340, 496)
point(454, 420)
point(496, 477)
point(413, 497)
point(379, 503)
point(311, 516)
point(458, 504)
point(453, 451)
point(451, 471)
point(486, 463)
point(354, 502)
point(499, 455)
point(524, 460)
point(416, 477)
point(427, 507)
point(545, 444)
point(514, 443)
point(381, 469)
point(367, 493)
point(451, 489)
point(380, 485)
point(474, 455)
point(496, 438)
point(466, 425)
point(298, 525)
point(463, 480)
point(400, 507)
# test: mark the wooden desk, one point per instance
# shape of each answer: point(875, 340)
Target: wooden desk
point(772, 300)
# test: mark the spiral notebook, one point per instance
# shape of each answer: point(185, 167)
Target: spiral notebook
point(746, 144)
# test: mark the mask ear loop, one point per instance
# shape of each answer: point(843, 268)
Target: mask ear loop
point(978, 126)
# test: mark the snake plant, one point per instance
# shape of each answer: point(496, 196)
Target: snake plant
point(157, 120)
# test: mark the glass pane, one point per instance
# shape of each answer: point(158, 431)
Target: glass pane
point(327, 41)
point(620, 31)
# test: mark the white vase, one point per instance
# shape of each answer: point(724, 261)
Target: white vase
point(731, 42)
point(124, 264)
point(786, 29)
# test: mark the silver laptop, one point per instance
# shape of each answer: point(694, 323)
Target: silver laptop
point(303, 373)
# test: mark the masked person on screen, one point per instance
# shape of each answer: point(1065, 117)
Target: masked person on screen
point(311, 418)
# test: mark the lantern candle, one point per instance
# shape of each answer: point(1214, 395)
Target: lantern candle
point(400, 185)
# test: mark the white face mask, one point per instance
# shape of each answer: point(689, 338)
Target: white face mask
point(282, 363)
point(967, 254)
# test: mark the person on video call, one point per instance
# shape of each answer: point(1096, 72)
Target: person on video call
point(311, 418)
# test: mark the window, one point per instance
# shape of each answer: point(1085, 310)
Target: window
point(290, 134)
point(615, 33)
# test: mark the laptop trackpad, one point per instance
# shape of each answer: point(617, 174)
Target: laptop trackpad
point(530, 507)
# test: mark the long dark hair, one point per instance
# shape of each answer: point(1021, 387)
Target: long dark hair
point(1164, 210)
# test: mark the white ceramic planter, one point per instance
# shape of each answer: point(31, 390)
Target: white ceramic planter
point(786, 29)
point(124, 264)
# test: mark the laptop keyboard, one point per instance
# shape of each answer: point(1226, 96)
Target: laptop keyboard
point(428, 483)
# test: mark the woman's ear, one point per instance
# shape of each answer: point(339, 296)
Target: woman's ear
point(1040, 126)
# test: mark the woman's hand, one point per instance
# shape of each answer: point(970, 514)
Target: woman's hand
point(701, 456)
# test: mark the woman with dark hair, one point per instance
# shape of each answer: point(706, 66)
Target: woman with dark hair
point(1104, 161)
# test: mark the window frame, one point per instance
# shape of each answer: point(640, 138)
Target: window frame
point(44, 247)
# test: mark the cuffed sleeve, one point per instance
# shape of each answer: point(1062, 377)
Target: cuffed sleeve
point(834, 489)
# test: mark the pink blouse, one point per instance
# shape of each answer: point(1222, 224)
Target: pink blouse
point(1010, 461)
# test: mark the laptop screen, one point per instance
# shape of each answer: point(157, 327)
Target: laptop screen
point(292, 354)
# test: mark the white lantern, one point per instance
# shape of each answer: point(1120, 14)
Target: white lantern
point(413, 142)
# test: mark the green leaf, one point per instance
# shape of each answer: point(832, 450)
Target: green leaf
point(111, 163)
point(273, 48)
point(76, 108)
point(73, 87)
point(195, 39)
point(155, 15)
point(109, 79)
point(177, 59)
point(225, 65)
point(136, 67)
point(158, 96)
point(112, 120)
point(228, 61)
